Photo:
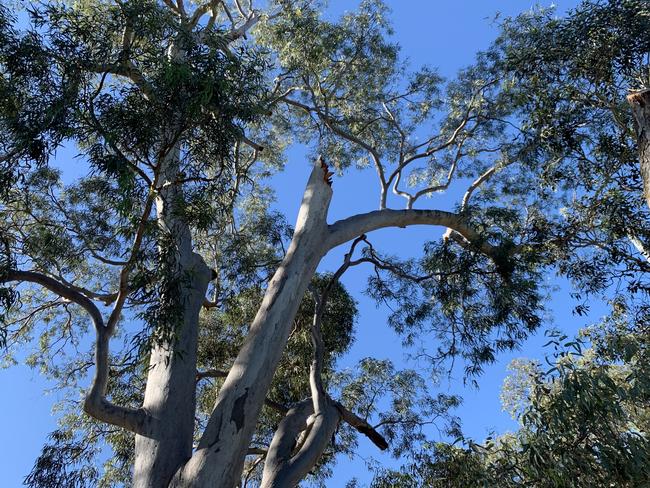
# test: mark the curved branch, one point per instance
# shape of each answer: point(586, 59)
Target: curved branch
point(95, 404)
point(475, 184)
point(60, 289)
point(347, 229)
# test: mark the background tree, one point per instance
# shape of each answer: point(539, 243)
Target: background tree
point(583, 418)
point(181, 111)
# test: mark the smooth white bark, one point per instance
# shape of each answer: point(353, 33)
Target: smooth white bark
point(219, 459)
point(640, 104)
point(170, 395)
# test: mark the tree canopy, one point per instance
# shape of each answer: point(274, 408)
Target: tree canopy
point(191, 329)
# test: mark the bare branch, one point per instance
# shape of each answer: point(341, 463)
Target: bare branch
point(95, 404)
point(255, 146)
point(362, 426)
point(434, 188)
point(475, 184)
point(240, 9)
point(347, 229)
point(106, 298)
point(256, 451)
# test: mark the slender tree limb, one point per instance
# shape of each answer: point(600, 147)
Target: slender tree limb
point(123, 288)
point(238, 32)
point(320, 398)
point(95, 404)
point(59, 289)
point(199, 12)
point(174, 7)
point(252, 144)
point(347, 229)
point(362, 426)
point(106, 298)
point(434, 188)
point(475, 184)
point(240, 9)
point(256, 451)
point(331, 124)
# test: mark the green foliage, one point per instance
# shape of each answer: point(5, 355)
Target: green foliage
point(401, 402)
point(538, 121)
point(583, 423)
point(472, 306)
point(56, 465)
point(346, 71)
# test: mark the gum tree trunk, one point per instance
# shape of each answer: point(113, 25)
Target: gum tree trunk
point(170, 395)
point(219, 459)
point(640, 103)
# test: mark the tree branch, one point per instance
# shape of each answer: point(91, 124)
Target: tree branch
point(95, 404)
point(347, 229)
point(475, 184)
point(59, 289)
point(127, 70)
point(283, 469)
point(331, 124)
point(362, 426)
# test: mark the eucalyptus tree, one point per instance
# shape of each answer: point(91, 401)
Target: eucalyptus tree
point(583, 417)
point(583, 422)
point(179, 111)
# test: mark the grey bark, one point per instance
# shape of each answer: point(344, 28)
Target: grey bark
point(219, 459)
point(170, 395)
point(298, 443)
point(640, 103)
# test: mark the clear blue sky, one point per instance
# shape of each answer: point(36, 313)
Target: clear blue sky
point(445, 34)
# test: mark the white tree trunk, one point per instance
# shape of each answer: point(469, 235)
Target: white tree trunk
point(640, 103)
point(170, 395)
point(219, 459)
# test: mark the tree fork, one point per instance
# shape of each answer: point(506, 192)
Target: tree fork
point(219, 459)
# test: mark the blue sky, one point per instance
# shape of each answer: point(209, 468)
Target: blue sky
point(441, 33)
